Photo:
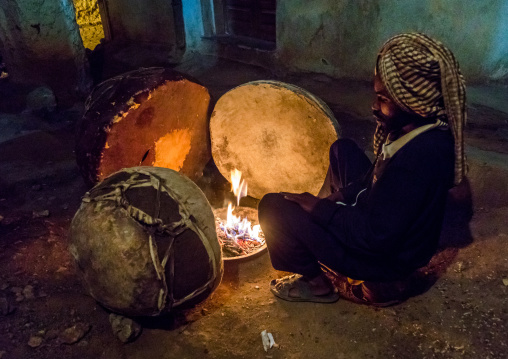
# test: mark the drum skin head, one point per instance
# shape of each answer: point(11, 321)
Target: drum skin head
point(278, 135)
point(146, 117)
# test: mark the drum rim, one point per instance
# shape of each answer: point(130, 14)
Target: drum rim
point(280, 84)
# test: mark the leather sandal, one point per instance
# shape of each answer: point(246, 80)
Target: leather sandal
point(282, 287)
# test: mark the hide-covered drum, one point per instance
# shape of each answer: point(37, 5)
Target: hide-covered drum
point(277, 134)
point(144, 242)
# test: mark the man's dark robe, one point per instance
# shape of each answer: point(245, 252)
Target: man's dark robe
point(388, 231)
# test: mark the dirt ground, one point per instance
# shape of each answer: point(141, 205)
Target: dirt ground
point(462, 311)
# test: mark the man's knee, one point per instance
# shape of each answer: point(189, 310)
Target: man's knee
point(275, 212)
point(269, 205)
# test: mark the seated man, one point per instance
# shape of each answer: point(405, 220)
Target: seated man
point(376, 224)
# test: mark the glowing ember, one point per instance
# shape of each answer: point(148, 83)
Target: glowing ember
point(237, 236)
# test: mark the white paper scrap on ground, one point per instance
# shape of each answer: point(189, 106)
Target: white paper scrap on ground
point(267, 339)
point(270, 337)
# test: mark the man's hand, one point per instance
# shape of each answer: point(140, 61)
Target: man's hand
point(305, 200)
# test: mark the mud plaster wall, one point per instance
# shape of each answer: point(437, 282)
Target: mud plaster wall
point(89, 22)
point(146, 33)
point(41, 44)
point(142, 21)
point(341, 37)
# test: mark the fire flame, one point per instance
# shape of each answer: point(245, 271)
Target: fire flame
point(238, 188)
point(235, 227)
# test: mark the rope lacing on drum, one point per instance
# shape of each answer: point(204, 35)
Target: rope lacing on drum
point(156, 225)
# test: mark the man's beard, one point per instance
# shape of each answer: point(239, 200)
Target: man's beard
point(390, 124)
point(378, 117)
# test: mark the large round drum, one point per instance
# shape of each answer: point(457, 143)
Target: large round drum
point(147, 117)
point(278, 135)
point(144, 241)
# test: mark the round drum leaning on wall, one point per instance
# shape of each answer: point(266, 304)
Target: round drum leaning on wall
point(147, 117)
point(278, 135)
point(144, 242)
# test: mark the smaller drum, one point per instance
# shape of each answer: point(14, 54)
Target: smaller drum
point(277, 134)
point(144, 241)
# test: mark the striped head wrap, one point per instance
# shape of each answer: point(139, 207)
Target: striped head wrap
point(422, 76)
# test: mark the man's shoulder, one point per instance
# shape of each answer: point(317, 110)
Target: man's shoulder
point(432, 141)
point(426, 150)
